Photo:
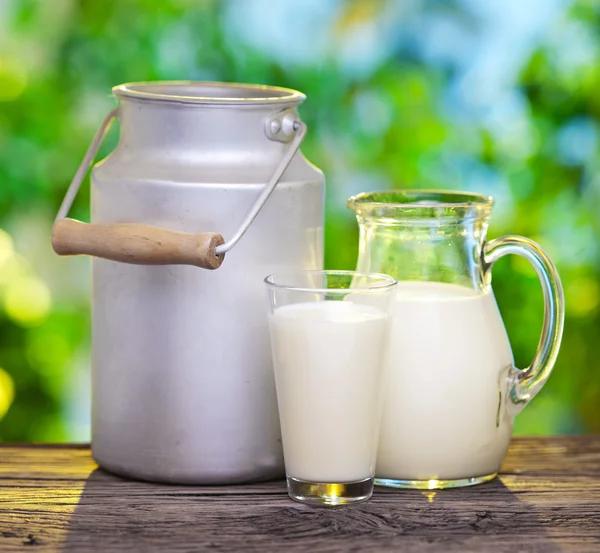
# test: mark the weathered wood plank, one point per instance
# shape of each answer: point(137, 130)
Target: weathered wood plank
point(554, 455)
point(544, 455)
point(71, 462)
point(547, 499)
point(46, 491)
point(273, 523)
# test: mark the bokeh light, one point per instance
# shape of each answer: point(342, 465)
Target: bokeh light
point(13, 80)
point(494, 97)
point(27, 301)
point(7, 391)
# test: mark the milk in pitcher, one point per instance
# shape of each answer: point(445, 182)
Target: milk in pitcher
point(443, 412)
point(453, 391)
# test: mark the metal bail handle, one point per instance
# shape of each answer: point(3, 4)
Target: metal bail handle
point(150, 245)
point(273, 127)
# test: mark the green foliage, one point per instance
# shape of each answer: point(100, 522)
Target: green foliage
point(377, 129)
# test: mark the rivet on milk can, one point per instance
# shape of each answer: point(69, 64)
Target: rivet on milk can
point(182, 384)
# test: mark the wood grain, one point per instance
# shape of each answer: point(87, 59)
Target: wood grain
point(547, 499)
point(136, 243)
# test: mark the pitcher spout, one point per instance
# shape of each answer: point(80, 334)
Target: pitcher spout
point(425, 235)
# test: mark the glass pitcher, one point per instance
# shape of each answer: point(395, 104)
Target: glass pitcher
point(453, 390)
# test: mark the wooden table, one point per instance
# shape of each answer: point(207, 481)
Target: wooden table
point(54, 498)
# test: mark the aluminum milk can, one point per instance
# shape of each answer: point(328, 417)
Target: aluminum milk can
point(182, 385)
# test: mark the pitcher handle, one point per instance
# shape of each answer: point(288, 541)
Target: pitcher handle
point(528, 382)
point(150, 245)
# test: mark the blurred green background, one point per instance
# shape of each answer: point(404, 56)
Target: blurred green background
point(496, 97)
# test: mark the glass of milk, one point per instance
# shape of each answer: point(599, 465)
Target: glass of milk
point(329, 332)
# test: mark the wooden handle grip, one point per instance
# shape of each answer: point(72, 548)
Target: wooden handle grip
point(135, 243)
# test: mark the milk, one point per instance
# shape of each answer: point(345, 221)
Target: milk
point(444, 415)
point(328, 358)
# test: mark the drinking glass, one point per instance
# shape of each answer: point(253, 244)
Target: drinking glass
point(329, 332)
